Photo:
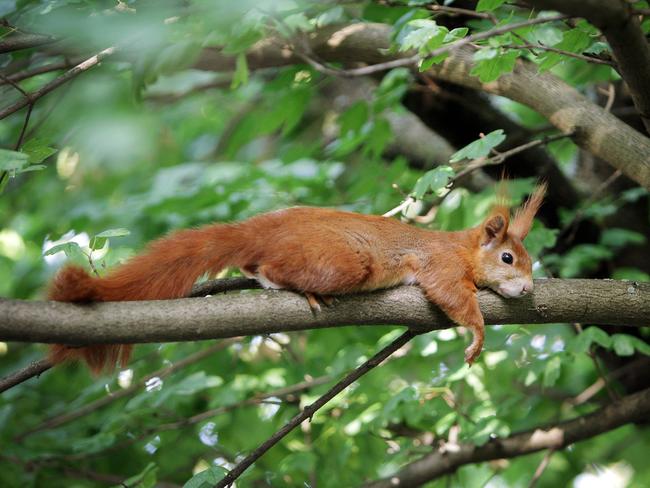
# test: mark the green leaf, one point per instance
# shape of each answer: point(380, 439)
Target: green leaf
point(147, 478)
point(101, 239)
point(240, 76)
point(425, 36)
point(640, 345)
point(583, 341)
point(207, 478)
point(12, 160)
point(33, 167)
point(455, 34)
point(581, 258)
point(378, 137)
point(575, 41)
point(490, 64)
point(330, 16)
point(540, 238)
point(552, 371)
point(353, 119)
point(37, 150)
point(119, 232)
point(433, 181)
point(294, 106)
point(616, 237)
point(71, 250)
point(480, 147)
point(489, 5)
point(623, 345)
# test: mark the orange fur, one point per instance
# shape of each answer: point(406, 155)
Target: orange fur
point(314, 251)
point(523, 219)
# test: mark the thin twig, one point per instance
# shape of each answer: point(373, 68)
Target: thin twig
point(589, 392)
point(254, 400)
point(309, 411)
point(541, 468)
point(474, 165)
point(501, 157)
point(34, 369)
point(599, 370)
point(611, 95)
point(542, 47)
point(133, 388)
point(257, 399)
point(55, 83)
point(414, 59)
point(39, 70)
point(572, 227)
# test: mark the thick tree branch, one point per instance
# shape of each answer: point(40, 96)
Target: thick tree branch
point(444, 461)
point(622, 29)
point(588, 301)
point(596, 130)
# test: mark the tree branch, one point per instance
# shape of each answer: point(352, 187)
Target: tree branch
point(30, 98)
point(604, 302)
point(596, 131)
point(34, 369)
point(24, 41)
point(444, 461)
point(88, 408)
point(621, 27)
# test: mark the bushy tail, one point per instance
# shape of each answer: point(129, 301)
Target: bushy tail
point(166, 269)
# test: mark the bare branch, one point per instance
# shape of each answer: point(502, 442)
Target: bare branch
point(57, 82)
point(34, 369)
point(444, 461)
point(67, 417)
point(24, 41)
point(309, 411)
point(45, 68)
point(604, 302)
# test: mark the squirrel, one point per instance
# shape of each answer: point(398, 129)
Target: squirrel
point(319, 252)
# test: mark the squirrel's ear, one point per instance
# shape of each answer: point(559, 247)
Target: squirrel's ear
point(523, 219)
point(494, 229)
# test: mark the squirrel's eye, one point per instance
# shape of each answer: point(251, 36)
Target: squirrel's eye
point(506, 257)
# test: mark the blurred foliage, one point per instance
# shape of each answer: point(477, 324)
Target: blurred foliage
point(142, 145)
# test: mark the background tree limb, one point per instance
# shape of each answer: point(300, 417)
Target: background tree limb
point(622, 29)
point(590, 301)
point(444, 461)
point(596, 131)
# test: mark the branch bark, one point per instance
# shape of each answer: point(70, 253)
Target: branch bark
point(621, 27)
point(34, 369)
point(629, 409)
point(596, 130)
point(24, 41)
point(604, 302)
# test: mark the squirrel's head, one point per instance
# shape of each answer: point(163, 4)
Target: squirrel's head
point(502, 262)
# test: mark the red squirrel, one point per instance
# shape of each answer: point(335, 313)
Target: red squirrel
point(322, 252)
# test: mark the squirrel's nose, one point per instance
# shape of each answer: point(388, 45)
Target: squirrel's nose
point(528, 287)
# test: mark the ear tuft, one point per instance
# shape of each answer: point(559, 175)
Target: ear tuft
point(523, 219)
